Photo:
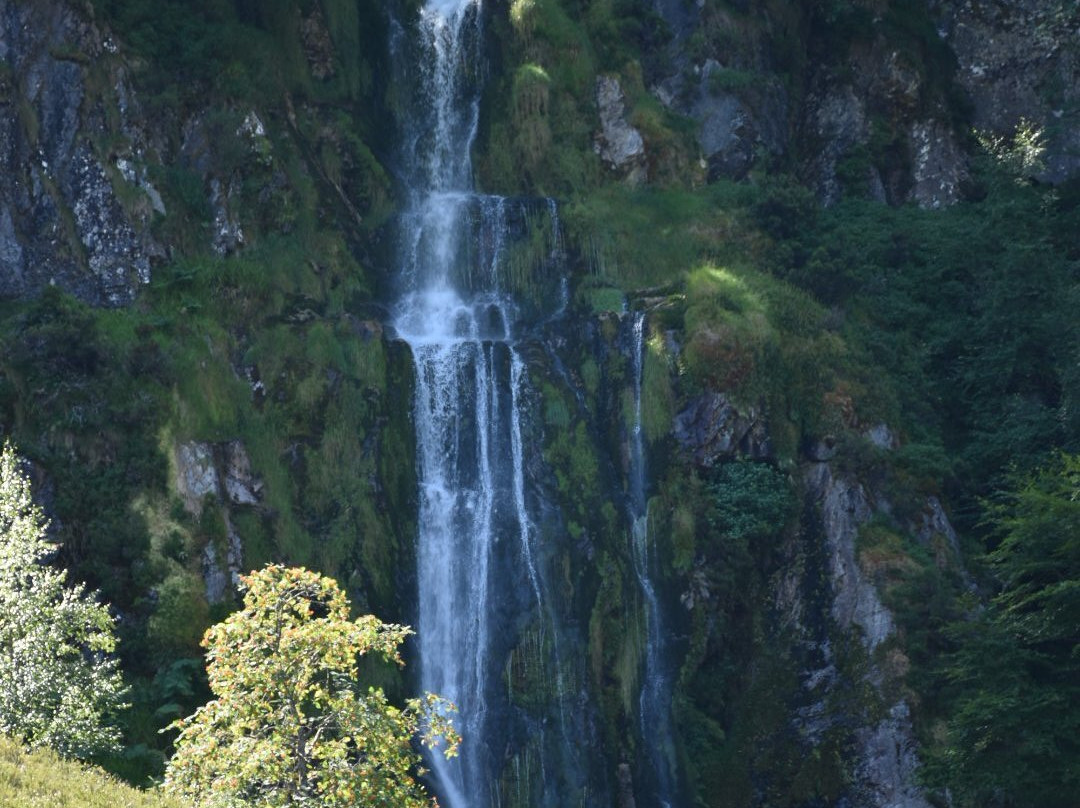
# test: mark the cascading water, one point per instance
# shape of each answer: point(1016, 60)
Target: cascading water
point(481, 582)
point(654, 702)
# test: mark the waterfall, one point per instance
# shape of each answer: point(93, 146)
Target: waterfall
point(480, 573)
point(654, 701)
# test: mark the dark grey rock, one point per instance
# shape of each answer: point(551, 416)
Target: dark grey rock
point(737, 126)
point(61, 222)
point(1020, 61)
point(887, 766)
point(710, 428)
point(885, 758)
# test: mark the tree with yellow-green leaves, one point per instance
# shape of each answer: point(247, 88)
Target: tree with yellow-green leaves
point(291, 723)
point(59, 686)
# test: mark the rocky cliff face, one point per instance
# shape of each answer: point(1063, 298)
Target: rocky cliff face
point(75, 206)
point(864, 97)
point(258, 356)
point(850, 689)
point(1019, 63)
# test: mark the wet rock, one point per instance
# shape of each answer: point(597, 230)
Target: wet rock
point(710, 428)
point(626, 786)
point(618, 143)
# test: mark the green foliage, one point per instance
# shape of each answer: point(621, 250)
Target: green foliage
point(733, 520)
point(601, 299)
point(177, 624)
point(765, 343)
point(921, 585)
point(58, 688)
point(749, 502)
point(291, 723)
point(646, 237)
point(1015, 677)
point(573, 457)
point(969, 313)
point(40, 779)
point(657, 395)
point(93, 430)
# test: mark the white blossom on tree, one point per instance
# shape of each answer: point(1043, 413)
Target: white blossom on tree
point(58, 685)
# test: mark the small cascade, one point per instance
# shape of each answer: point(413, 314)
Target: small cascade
point(654, 702)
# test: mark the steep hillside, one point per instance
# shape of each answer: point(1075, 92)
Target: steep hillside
point(794, 288)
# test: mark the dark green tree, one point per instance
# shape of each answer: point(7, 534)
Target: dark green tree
point(1014, 728)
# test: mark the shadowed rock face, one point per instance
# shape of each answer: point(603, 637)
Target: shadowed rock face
point(712, 429)
point(1016, 62)
point(61, 222)
point(1020, 61)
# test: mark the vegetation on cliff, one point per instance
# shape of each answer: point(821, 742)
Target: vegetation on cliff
point(924, 355)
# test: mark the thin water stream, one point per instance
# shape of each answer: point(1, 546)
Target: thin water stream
point(654, 701)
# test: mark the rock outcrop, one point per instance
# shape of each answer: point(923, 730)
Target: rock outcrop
point(220, 472)
point(844, 507)
point(618, 143)
point(1019, 62)
point(711, 428)
point(61, 220)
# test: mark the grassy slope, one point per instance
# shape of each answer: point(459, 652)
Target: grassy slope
point(42, 780)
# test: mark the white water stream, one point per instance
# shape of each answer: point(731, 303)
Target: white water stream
point(476, 556)
point(482, 597)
